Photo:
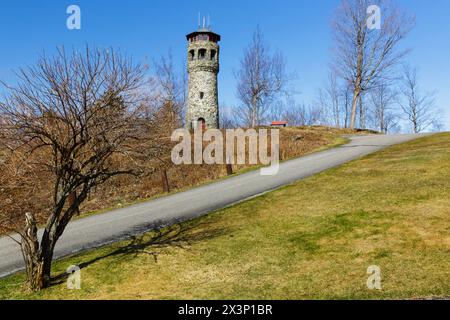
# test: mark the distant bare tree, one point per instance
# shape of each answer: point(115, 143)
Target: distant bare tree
point(169, 93)
point(74, 118)
point(438, 125)
point(346, 101)
point(334, 101)
point(227, 117)
point(300, 114)
point(329, 98)
point(293, 112)
point(419, 108)
point(382, 100)
point(315, 115)
point(365, 57)
point(261, 79)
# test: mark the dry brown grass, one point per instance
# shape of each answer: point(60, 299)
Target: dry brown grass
point(294, 142)
point(123, 190)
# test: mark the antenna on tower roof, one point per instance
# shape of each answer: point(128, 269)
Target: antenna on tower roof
point(204, 22)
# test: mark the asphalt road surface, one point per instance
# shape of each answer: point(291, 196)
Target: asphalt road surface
point(101, 229)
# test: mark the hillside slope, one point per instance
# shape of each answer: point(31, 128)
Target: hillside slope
point(313, 239)
point(128, 189)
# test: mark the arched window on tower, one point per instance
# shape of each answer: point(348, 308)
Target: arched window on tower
point(213, 54)
point(192, 55)
point(201, 54)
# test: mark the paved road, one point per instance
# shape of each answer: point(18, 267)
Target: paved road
point(117, 224)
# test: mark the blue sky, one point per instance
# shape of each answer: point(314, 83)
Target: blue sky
point(147, 29)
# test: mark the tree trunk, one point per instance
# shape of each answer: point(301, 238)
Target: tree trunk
point(35, 274)
point(37, 266)
point(165, 181)
point(38, 272)
point(254, 112)
point(362, 114)
point(415, 122)
point(38, 257)
point(354, 108)
point(47, 258)
point(229, 169)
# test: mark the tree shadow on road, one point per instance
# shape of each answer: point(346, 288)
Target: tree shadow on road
point(155, 243)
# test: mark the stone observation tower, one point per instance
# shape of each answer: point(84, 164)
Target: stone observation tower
point(203, 67)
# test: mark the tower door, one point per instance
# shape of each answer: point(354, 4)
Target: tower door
point(202, 123)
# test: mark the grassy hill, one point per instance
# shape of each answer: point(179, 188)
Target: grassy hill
point(313, 239)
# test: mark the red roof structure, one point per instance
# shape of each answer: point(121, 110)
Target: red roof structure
point(279, 123)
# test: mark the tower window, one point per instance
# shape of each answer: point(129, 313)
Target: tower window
point(191, 55)
point(202, 54)
point(213, 54)
point(202, 94)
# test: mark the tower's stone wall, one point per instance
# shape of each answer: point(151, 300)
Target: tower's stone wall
point(203, 67)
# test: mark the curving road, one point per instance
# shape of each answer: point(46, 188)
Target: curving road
point(118, 224)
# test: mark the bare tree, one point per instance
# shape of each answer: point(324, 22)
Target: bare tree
point(438, 125)
point(329, 98)
point(169, 93)
point(334, 101)
point(75, 119)
point(365, 56)
point(419, 108)
point(382, 100)
point(300, 114)
point(261, 79)
point(227, 117)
